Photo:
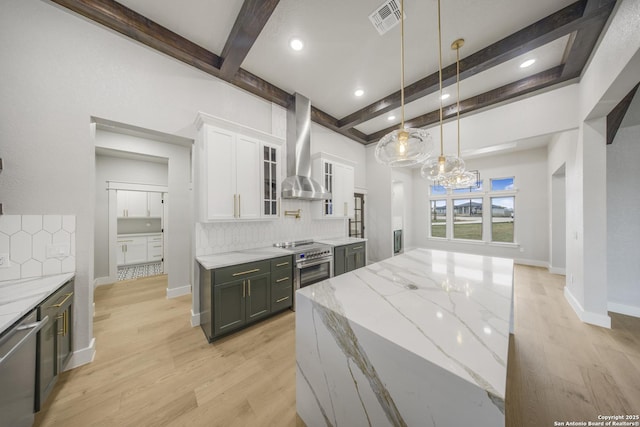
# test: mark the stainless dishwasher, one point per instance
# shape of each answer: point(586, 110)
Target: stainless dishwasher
point(18, 371)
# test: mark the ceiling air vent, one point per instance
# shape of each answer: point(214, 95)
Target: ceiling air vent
point(386, 16)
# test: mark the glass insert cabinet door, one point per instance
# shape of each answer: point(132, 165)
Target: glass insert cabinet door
point(328, 185)
point(270, 185)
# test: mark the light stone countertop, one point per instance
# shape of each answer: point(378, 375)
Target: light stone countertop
point(341, 241)
point(19, 297)
point(211, 262)
point(449, 313)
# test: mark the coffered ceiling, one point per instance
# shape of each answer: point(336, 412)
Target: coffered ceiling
point(246, 42)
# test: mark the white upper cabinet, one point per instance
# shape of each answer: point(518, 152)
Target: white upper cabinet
point(154, 202)
point(338, 177)
point(138, 204)
point(238, 172)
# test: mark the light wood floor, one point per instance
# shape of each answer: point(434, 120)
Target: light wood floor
point(153, 369)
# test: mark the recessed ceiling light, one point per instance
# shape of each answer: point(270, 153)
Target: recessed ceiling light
point(527, 63)
point(391, 118)
point(296, 44)
point(358, 92)
point(445, 96)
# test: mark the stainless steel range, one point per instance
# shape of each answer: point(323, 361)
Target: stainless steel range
point(313, 262)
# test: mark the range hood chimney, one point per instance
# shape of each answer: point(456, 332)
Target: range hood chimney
point(298, 184)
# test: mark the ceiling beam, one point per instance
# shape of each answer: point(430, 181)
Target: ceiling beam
point(252, 18)
point(597, 12)
point(487, 99)
point(331, 122)
point(554, 26)
point(615, 117)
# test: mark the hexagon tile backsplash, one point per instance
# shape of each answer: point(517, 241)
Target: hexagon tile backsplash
point(214, 238)
point(37, 245)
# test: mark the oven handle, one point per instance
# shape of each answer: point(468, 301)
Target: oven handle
point(35, 327)
point(302, 265)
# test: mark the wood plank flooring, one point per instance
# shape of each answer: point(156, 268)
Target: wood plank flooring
point(153, 369)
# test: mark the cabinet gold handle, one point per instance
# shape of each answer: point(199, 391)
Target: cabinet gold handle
point(249, 286)
point(357, 247)
point(62, 302)
point(235, 197)
point(282, 264)
point(246, 272)
point(282, 299)
point(282, 280)
point(157, 246)
point(63, 332)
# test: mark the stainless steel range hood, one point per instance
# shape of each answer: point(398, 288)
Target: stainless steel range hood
point(298, 184)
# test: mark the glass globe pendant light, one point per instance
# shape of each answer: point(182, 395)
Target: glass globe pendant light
point(440, 168)
point(403, 146)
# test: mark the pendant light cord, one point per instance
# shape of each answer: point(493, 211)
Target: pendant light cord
point(402, 64)
point(458, 93)
point(440, 79)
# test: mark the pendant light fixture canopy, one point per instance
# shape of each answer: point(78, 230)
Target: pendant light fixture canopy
point(403, 147)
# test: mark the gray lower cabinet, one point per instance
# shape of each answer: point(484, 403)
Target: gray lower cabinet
point(349, 257)
point(236, 296)
point(54, 345)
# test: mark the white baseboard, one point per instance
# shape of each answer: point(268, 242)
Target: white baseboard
point(100, 281)
point(178, 292)
point(82, 356)
point(531, 262)
point(558, 270)
point(628, 310)
point(592, 318)
point(195, 319)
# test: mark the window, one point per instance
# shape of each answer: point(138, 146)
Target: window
point(502, 219)
point(438, 218)
point(502, 184)
point(467, 219)
point(484, 213)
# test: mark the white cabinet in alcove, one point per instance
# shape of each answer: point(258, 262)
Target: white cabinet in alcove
point(231, 180)
point(138, 204)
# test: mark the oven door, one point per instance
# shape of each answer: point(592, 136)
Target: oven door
point(309, 272)
point(314, 271)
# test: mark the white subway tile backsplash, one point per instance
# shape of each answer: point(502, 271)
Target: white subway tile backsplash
point(212, 238)
point(26, 237)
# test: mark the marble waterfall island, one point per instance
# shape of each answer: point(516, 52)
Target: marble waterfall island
point(420, 339)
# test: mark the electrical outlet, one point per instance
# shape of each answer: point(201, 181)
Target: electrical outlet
point(4, 261)
point(58, 251)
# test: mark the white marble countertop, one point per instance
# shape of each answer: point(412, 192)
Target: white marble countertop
point(451, 309)
point(226, 259)
point(19, 297)
point(341, 241)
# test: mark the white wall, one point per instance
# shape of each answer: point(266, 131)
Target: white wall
point(124, 170)
point(623, 226)
point(531, 207)
point(403, 177)
point(378, 209)
point(558, 223)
